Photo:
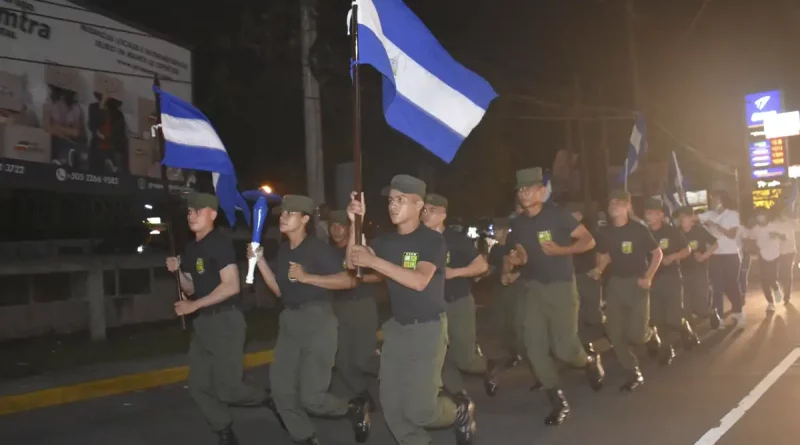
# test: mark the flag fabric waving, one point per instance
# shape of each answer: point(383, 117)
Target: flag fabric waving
point(637, 146)
point(675, 181)
point(427, 95)
point(191, 142)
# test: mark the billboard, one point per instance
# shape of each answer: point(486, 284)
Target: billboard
point(768, 157)
point(76, 100)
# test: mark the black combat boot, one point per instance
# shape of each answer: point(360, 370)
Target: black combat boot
point(269, 403)
point(310, 441)
point(226, 437)
point(667, 355)
point(634, 381)
point(589, 348)
point(465, 420)
point(595, 373)
point(489, 379)
point(714, 319)
point(358, 413)
point(690, 338)
point(560, 408)
point(654, 344)
point(514, 361)
point(537, 386)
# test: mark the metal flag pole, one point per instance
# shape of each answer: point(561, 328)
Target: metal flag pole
point(357, 182)
point(165, 183)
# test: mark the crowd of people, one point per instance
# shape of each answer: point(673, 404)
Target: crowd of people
point(559, 284)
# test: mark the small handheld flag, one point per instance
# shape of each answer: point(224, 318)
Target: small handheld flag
point(637, 146)
point(260, 211)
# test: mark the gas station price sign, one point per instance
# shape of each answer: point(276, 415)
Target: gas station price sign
point(767, 197)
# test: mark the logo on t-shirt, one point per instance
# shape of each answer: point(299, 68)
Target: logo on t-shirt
point(663, 243)
point(693, 244)
point(447, 261)
point(199, 266)
point(627, 247)
point(545, 236)
point(410, 260)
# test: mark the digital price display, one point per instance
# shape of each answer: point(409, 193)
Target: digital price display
point(769, 163)
point(767, 197)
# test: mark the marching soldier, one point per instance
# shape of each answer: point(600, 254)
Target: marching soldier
point(209, 276)
point(666, 293)
point(506, 294)
point(544, 238)
point(695, 267)
point(307, 270)
point(635, 256)
point(463, 262)
point(412, 261)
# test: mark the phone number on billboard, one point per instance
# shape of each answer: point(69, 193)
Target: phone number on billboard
point(74, 176)
point(12, 168)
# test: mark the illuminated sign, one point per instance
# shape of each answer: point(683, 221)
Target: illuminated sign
point(768, 158)
point(767, 198)
point(782, 125)
point(794, 171)
point(759, 106)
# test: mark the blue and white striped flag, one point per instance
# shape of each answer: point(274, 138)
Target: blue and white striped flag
point(637, 146)
point(675, 182)
point(427, 95)
point(191, 142)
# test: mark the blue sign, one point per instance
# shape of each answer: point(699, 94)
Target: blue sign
point(767, 173)
point(758, 106)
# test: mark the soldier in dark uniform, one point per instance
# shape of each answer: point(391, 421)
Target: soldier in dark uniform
point(463, 263)
point(544, 238)
point(412, 261)
point(506, 295)
point(635, 255)
point(307, 269)
point(666, 294)
point(695, 267)
point(358, 322)
point(209, 278)
point(590, 316)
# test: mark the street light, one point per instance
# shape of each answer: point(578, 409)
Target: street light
point(148, 207)
point(267, 189)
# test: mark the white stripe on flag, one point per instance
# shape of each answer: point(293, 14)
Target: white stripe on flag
point(422, 88)
point(191, 132)
point(636, 138)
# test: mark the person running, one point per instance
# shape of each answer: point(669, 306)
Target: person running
point(695, 267)
point(209, 278)
point(307, 269)
point(767, 236)
point(634, 255)
point(788, 226)
point(463, 263)
point(506, 295)
point(544, 238)
point(412, 262)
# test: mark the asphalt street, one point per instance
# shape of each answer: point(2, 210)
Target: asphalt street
point(676, 406)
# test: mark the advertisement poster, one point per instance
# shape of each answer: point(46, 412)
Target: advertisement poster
point(76, 100)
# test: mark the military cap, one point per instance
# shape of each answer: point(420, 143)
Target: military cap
point(406, 184)
point(529, 176)
point(339, 217)
point(199, 201)
point(436, 200)
point(621, 195)
point(297, 203)
point(501, 223)
point(653, 204)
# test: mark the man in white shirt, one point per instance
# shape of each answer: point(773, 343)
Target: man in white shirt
point(723, 224)
point(768, 239)
point(787, 226)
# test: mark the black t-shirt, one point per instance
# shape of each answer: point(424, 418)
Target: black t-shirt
point(671, 240)
point(629, 247)
point(407, 251)
point(551, 224)
point(495, 260)
point(699, 240)
point(204, 260)
point(317, 258)
point(460, 253)
point(362, 290)
point(586, 261)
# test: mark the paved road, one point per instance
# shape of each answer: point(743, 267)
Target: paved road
point(676, 406)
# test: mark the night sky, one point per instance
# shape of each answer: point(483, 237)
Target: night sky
point(697, 59)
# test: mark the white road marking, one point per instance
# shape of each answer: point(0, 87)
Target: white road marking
point(715, 434)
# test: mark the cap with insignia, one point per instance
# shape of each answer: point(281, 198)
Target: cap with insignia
point(199, 201)
point(529, 176)
point(339, 217)
point(406, 184)
point(618, 194)
point(436, 200)
point(297, 203)
point(654, 204)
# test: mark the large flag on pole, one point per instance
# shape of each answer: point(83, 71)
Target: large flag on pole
point(637, 146)
point(191, 142)
point(675, 182)
point(427, 95)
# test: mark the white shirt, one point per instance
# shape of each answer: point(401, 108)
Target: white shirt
point(786, 227)
point(728, 219)
point(769, 245)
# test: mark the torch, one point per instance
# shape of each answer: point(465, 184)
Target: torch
point(260, 210)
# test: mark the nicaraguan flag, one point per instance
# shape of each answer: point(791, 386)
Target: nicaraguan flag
point(192, 143)
point(427, 95)
point(675, 181)
point(637, 146)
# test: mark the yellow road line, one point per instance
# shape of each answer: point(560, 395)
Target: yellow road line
point(117, 385)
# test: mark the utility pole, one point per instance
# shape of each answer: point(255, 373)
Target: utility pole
point(315, 172)
point(584, 152)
